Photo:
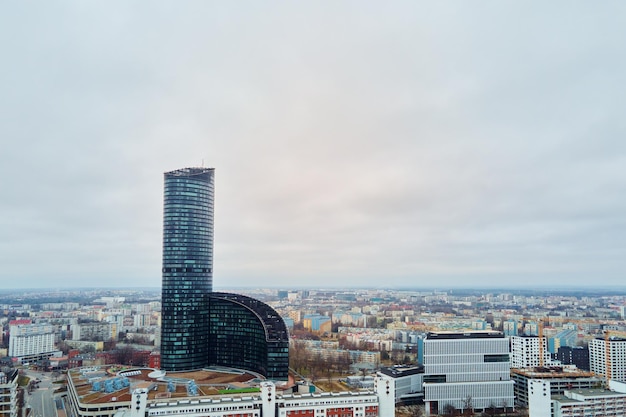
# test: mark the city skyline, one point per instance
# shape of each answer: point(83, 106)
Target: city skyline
point(413, 145)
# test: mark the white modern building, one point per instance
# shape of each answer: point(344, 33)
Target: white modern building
point(526, 351)
point(409, 382)
point(466, 370)
point(31, 342)
point(8, 393)
point(582, 402)
point(561, 378)
point(616, 358)
point(142, 392)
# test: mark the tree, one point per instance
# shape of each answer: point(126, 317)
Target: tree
point(491, 410)
point(504, 406)
point(449, 410)
point(63, 347)
point(468, 406)
point(88, 349)
point(124, 355)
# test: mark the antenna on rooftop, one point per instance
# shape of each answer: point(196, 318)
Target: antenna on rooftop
point(202, 162)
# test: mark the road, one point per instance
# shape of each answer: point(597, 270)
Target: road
point(40, 400)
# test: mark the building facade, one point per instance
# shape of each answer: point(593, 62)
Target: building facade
point(468, 370)
point(187, 267)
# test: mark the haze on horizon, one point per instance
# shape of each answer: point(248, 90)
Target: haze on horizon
point(404, 144)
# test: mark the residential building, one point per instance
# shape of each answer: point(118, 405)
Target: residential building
point(525, 352)
point(469, 370)
point(94, 331)
point(31, 342)
point(510, 327)
point(566, 337)
point(582, 402)
point(8, 393)
point(561, 378)
point(607, 357)
point(574, 355)
point(317, 323)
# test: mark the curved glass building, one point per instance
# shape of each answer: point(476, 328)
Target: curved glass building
point(200, 328)
point(187, 267)
point(248, 334)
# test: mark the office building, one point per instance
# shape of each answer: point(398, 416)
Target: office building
point(248, 334)
point(469, 370)
point(607, 357)
point(409, 382)
point(200, 328)
point(187, 268)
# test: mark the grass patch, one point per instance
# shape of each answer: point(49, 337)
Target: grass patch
point(23, 380)
point(238, 391)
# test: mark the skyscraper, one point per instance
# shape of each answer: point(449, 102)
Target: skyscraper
point(200, 328)
point(187, 267)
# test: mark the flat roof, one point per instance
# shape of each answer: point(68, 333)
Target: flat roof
point(402, 370)
point(594, 392)
point(551, 372)
point(474, 334)
point(91, 382)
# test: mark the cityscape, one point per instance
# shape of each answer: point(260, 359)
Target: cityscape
point(289, 352)
point(312, 209)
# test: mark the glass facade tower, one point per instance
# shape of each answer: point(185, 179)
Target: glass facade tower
point(187, 268)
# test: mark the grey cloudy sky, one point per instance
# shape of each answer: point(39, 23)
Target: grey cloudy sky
point(355, 143)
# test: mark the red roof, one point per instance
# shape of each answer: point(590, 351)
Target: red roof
point(20, 321)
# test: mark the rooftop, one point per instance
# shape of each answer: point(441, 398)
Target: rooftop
point(552, 372)
point(475, 334)
point(110, 383)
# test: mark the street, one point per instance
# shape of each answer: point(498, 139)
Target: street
point(40, 401)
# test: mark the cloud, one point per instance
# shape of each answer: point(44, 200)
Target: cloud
point(354, 143)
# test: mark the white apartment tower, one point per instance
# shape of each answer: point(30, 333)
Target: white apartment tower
point(466, 370)
point(526, 350)
point(29, 342)
point(616, 349)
